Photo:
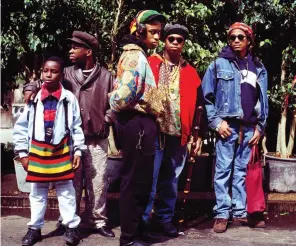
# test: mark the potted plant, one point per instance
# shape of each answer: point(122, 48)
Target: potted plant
point(282, 163)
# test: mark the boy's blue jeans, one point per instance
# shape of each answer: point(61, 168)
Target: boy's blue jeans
point(231, 154)
point(168, 165)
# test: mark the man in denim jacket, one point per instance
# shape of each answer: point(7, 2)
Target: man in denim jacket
point(235, 91)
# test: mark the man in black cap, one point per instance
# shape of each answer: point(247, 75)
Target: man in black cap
point(90, 83)
point(180, 91)
point(136, 110)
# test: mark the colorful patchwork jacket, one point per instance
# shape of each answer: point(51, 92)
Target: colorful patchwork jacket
point(135, 84)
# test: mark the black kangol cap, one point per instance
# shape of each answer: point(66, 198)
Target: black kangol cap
point(85, 39)
point(175, 29)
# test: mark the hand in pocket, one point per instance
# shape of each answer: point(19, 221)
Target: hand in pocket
point(25, 163)
point(105, 130)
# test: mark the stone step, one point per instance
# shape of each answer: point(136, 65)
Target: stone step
point(22, 200)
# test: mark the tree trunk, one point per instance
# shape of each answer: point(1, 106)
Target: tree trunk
point(292, 135)
point(264, 145)
point(282, 148)
point(292, 128)
point(114, 34)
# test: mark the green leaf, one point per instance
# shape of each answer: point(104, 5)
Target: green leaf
point(268, 41)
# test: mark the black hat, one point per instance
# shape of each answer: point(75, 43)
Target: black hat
point(175, 29)
point(85, 39)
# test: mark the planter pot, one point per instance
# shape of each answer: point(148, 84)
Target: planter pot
point(281, 173)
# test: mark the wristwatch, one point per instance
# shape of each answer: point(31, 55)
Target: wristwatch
point(217, 129)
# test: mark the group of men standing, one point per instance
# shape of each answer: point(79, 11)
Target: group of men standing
point(153, 103)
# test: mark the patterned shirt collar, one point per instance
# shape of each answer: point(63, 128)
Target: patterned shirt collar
point(182, 61)
point(45, 93)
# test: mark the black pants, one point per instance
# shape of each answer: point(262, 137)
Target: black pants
point(137, 173)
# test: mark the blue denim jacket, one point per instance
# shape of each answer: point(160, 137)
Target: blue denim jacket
point(223, 95)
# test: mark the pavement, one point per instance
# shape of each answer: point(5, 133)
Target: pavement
point(13, 228)
point(281, 230)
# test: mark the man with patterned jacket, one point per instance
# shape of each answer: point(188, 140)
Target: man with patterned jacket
point(136, 109)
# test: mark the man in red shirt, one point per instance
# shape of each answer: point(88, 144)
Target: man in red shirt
point(180, 91)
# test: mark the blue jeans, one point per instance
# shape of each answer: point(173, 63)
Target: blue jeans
point(168, 165)
point(231, 155)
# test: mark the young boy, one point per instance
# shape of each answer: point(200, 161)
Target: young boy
point(48, 140)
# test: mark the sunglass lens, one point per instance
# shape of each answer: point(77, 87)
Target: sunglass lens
point(180, 40)
point(240, 37)
point(171, 39)
point(232, 37)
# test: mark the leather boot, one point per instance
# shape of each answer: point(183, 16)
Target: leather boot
point(169, 229)
point(242, 220)
point(32, 236)
point(145, 235)
point(256, 220)
point(72, 235)
point(220, 225)
point(105, 231)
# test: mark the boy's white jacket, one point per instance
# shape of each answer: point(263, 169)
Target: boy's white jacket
point(23, 128)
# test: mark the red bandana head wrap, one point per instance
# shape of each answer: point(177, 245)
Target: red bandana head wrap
point(247, 29)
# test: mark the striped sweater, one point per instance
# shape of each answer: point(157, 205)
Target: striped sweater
point(50, 101)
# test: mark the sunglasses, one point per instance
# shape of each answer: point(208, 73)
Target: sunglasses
point(240, 37)
point(179, 40)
